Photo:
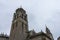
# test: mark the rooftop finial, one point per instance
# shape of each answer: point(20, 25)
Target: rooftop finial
point(41, 31)
point(21, 6)
point(45, 25)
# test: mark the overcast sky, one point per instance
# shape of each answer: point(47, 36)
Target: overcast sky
point(40, 12)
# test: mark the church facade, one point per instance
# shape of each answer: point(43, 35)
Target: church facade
point(19, 29)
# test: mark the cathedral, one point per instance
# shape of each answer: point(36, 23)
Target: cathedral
point(19, 29)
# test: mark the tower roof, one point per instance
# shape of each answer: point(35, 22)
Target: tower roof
point(21, 10)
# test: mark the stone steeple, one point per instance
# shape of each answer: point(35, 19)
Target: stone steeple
point(19, 26)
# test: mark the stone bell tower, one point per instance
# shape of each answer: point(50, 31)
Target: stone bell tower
point(19, 26)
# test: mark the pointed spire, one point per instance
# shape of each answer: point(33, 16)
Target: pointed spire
point(49, 33)
point(47, 30)
point(41, 31)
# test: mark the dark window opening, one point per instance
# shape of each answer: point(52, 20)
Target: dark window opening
point(21, 15)
point(25, 18)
